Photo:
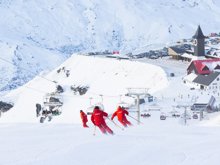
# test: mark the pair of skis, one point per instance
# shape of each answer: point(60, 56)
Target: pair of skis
point(94, 133)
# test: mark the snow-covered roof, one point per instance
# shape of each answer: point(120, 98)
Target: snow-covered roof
point(190, 77)
point(200, 64)
point(206, 79)
point(203, 99)
point(212, 65)
point(190, 56)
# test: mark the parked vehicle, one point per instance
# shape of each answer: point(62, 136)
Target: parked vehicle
point(153, 56)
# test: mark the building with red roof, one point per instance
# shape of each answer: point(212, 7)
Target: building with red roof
point(204, 67)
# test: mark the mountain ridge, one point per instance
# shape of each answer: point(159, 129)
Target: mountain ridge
point(43, 30)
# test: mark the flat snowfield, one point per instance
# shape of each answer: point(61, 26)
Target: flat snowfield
point(155, 142)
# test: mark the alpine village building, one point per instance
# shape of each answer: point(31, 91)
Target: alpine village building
point(203, 73)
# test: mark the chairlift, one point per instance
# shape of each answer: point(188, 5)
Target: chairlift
point(89, 110)
point(100, 105)
point(124, 104)
point(53, 99)
point(175, 114)
point(195, 116)
point(46, 114)
point(146, 115)
point(52, 103)
point(185, 116)
point(163, 116)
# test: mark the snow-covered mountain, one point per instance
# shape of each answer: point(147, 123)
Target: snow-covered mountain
point(38, 35)
point(21, 62)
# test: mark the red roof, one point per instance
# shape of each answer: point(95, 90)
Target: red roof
point(201, 64)
point(115, 52)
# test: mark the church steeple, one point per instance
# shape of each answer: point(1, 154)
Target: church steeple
point(199, 43)
point(199, 34)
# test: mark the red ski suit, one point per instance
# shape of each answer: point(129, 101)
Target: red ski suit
point(120, 112)
point(84, 118)
point(98, 120)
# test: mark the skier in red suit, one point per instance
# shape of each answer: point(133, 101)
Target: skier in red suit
point(84, 118)
point(98, 120)
point(120, 113)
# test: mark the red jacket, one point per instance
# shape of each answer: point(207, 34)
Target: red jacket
point(83, 117)
point(120, 112)
point(98, 117)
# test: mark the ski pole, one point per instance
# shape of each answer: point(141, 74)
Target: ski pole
point(135, 119)
point(116, 124)
point(94, 130)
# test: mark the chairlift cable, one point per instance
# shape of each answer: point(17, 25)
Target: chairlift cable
point(113, 96)
point(26, 70)
point(135, 119)
point(40, 91)
point(105, 95)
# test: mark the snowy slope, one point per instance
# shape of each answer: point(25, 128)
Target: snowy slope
point(107, 77)
point(155, 142)
point(37, 29)
point(65, 141)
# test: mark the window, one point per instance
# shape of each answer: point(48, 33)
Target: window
point(217, 67)
point(205, 68)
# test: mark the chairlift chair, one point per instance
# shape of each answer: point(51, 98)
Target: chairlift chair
point(195, 116)
point(175, 114)
point(53, 102)
point(89, 110)
point(148, 115)
point(145, 115)
point(162, 116)
point(124, 104)
point(100, 105)
point(53, 99)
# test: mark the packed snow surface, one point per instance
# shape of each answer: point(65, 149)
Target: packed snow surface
point(25, 141)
